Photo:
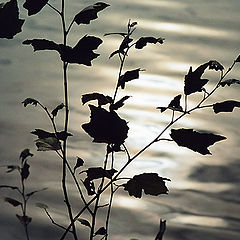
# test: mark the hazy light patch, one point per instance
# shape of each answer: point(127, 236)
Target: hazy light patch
point(157, 3)
point(200, 220)
point(126, 202)
point(176, 66)
point(185, 29)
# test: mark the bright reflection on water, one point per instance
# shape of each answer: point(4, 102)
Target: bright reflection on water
point(203, 201)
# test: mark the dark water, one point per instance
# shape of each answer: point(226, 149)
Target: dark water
point(203, 202)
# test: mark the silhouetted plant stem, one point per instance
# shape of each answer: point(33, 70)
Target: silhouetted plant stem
point(55, 9)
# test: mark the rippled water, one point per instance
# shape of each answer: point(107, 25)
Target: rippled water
point(203, 202)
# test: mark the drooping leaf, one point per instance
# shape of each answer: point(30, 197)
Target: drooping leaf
point(34, 6)
point(79, 163)
point(25, 220)
point(48, 144)
point(119, 103)
point(29, 101)
point(196, 141)
point(101, 231)
point(173, 105)
point(106, 127)
point(42, 134)
point(193, 81)
point(10, 24)
point(90, 13)
point(142, 42)
point(81, 53)
point(99, 172)
point(25, 171)
point(89, 185)
point(150, 183)
point(84, 222)
point(25, 153)
point(12, 201)
point(128, 76)
point(229, 82)
point(161, 231)
point(42, 44)
point(213, 64)
point(36, 191)
point(55, 110)
point(41, 205)
point(11, 168)
point(102, 99)
point(226, 106)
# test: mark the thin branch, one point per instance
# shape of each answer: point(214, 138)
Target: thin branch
point(55, 9)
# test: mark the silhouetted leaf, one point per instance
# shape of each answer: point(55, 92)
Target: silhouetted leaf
point(101, 231)
point(41, 205)
point(36, 191)
point(229, 82)
point(90, 13)
point(25, 153)
point(119, 103)
point(196, 141)
point(84, 222)
point(48, 144)
point(114, 53)
point(12, 168)
point(25, 171)
point(226, 106)
point(238, 59)
point(81, 53)
point(114, 148)
point(128, 76)
point(193, 81)
point(42, 44)
point(25, 220)
point(89, 185)
point(29, 101)
point(42, 134)
point(213, 64)
point(106, 127)
point(99, 172)
point(12, 201)
point(125, 43)
point(102, 99)
point(162, 229)
point(79, 163)
point(142, 42)
point(55, 110)
point(173, 105)
point(10, 24)
point(151, 183)
point(34, 6)
point(11, 187)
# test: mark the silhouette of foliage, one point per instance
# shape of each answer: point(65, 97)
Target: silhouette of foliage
point(12, 201)
point(29, 101)
point(226, 106)
point(128, 76)
point(10, 24)
point(24, 220)
point(196, 141)
point(33, 6)
point(106, 127)
point(151, 183)
point(55, 110)
point(79, 163)
point(102, 99)
point(101, 231)
point(99, 172)
point(119, 103)
point(89, 185)
point(90, 13)
point(42, 134)
point(48, 144)
point(162, 229)
point(25, 153)
point(84, 222)
point(25, 171)
point(229, 82)
point(142, 42)
point(213, 64)
point(173, 105)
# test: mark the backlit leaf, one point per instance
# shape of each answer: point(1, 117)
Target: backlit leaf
point(11, 168)
point(42, 44)
point(99, 172)
point(10, 24)
point(34, 6)
point(55, 110)
point(12, 201)
point(25, 153)
point(226, 106)
point(150, 183)
point(90, 13)
point(25, 171)
point(229, 82)
point(128, 76)
point(106, 127)
point(196, 141)
point(142, 42)
point(102, 99)
point(173, 105)
point(213, 64)
point(11, 187)
point(84, 222)
point(29, 101)
point(114, 148)
point(79, 163)
point(48, 144)
point(101, 231)
point(161, 231)
point(44, 134)
point(25, 220)
point(89, 185)
point(119, 103)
